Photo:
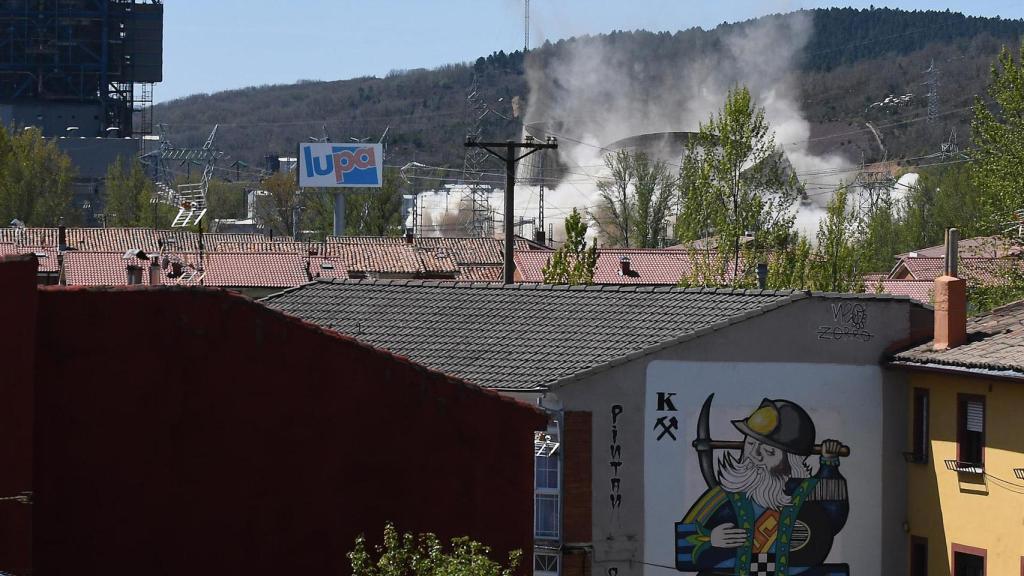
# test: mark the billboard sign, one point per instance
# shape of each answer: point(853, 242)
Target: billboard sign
point(331, 165)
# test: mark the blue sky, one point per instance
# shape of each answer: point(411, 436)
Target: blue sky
point(213, 45)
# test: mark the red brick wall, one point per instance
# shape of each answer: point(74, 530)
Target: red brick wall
point(18, 302)
point(576, 450)
point(576, 563)
point(184, 431)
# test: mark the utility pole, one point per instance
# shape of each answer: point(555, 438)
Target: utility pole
point(511, 149)
point(538, 235)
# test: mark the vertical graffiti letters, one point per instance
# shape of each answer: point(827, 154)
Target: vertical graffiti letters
point(615, 496)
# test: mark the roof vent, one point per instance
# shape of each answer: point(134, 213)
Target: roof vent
point(135, 253)
point(327, 266)
point(624, 268)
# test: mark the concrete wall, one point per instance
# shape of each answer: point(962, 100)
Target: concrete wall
point(194, 431)
point(808, 332)
point(954, 508)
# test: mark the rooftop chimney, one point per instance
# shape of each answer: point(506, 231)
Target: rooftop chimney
point(624, 266)
point(409, 236)
point(134, 274)
point(62, 236)
point(950, 300)
point(155, 272)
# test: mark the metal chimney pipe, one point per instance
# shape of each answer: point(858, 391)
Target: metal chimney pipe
point(952, 252)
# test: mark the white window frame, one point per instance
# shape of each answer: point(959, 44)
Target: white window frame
point(553, 554)
point(547, 493)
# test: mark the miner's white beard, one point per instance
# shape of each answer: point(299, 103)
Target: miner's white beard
point(766, 487)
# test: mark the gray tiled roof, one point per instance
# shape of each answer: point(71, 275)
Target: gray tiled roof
point(995, 342)
point(520, 336)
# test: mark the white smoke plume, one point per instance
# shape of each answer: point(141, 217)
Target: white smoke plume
point(589, 92)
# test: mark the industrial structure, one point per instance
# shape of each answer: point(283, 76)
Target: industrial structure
point(82, 72)
point(82, 64)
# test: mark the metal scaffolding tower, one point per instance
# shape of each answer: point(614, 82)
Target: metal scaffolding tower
point(79, 59)
point(480, 221)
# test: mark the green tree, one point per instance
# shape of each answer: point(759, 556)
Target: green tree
point(128, 193)
point(943, 198)
point(279, 203)
point(225, 200)
point(377, 212)
point(998, 136)
point(790, 268)
point(879, 234)
point(574, 262)
point(735, 184)
point(35, 180)
point(634, 201)
point(614, 216)
point(426, 555)
point(834, 267)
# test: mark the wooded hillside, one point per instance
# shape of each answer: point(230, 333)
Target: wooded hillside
point(853, 58)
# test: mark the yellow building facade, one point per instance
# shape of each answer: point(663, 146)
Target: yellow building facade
point(953, 505)
point(965, 463)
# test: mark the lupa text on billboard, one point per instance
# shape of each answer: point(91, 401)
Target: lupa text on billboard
point(326, 164)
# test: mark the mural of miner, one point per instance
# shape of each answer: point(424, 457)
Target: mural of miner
point(764, 513)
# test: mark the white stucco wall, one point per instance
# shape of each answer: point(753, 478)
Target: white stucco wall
point(845, 402)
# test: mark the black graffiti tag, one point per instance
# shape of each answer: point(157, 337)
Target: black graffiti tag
point(667, 425)
point(615, 450)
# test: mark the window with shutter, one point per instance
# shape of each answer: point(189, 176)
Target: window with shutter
point(971, 430)
point(920, 454)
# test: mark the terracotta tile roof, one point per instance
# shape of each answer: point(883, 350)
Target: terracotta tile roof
point(327, 267)
point(481, 273)
point(437, 260)
point(220, 269)
point(920, 290)
point(986, 271)
point(275, 246)
point(29, 236)
point(647, 267)
point(214, 241)
point(465, 251)
point(121, 239)
point(978, 247)
point(995, 342)
point(46, 255)
point(149, 240)
point(100, 268)
point(254, 270)
point(382, 258)
point(365, 239)
point(468, 251)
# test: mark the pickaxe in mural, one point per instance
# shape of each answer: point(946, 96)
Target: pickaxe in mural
point(764, 512)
